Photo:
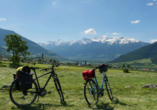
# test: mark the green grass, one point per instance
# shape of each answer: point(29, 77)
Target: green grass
point(142, 63)
point(72, 82)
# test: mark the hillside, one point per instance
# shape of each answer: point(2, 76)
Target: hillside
point(34, 49)
point(2, 51)
point(97, 48)
point(149, 51)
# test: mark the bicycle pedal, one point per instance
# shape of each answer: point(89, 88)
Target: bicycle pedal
point(49, 92)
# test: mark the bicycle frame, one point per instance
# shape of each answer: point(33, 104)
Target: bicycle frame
point(36, 78)
point(99, 88)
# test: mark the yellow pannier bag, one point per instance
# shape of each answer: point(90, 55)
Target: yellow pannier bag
point(24, 78)
point(25, 69)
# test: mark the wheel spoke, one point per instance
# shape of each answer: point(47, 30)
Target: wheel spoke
point(23, 97)
point(109, 91)
point(90, 92)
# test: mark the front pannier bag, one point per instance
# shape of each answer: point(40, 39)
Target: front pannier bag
point(88, 74)
point(102, 68)
point(25, 78)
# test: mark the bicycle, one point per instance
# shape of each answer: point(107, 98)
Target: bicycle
point(91, 87)
point(27, 97)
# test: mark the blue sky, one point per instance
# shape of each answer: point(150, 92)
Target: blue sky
point(45, 20)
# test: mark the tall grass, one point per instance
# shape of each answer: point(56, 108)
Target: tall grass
point(72, 82)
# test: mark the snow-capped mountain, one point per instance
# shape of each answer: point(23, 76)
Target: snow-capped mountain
point(112, 40)
point(107, 48)
point(103, 39)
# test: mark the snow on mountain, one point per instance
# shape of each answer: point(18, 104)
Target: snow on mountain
point(117, 40)
point(103, 39)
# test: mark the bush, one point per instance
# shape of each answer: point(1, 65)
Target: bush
point(2, 65)
point(11, 65)
point(125, 70)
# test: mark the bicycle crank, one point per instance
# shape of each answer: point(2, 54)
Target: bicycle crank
point(44, 92)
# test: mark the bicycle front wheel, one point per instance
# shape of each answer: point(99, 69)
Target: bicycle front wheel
point(59, 89)
point(91, 92)
point(21, 98)
point(108, 88)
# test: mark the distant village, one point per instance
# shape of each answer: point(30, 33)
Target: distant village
point(40, 60)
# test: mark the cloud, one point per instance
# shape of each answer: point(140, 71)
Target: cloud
point(21, 23)
point(2, 19)
point(90, 31)
point(54, 3)
point(115, 33)
point(153, 40)
point(150, 4)
point(154, 0)
point(137, 21)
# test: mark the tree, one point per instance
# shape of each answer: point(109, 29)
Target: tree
point(18, 47)
point(128, 66)
point(54, 61)
point(39, 61)
point(1, 57)
point(50, 60)
point(123, 66)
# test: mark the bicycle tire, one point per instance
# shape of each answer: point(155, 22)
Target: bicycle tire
point(59, 89)
point(91, 89)
point(108, 88)
point(21, 98)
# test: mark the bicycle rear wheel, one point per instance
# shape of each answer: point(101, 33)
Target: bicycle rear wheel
point(91, 92)
point(108, 88)
point(59, 89)
point(21, 98)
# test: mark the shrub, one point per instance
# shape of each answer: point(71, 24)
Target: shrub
point(2, 65)
point(125, 70)
point(11, 65)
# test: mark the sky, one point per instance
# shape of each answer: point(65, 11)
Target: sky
point(49, 20)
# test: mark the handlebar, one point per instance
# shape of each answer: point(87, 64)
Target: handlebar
point(45, 69)
point(102, 65)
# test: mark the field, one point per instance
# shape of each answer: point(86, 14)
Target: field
point(142, 63)
point(72, 82)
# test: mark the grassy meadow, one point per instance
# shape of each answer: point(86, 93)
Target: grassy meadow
point(72, 82)
point(142, 63)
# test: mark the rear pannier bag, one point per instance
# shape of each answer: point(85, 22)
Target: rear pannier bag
point(102, 68)
point(25, 78)
point(88, 74)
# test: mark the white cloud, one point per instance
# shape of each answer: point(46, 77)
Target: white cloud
point(154, 0)
point(115, 33)
point(137, 21)
point(90, 31)
point(54, 3)
point(150, 4)
point(153, 40)
point(2, 19)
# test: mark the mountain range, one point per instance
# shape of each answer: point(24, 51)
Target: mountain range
point(35, 49)
point(96, 48)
